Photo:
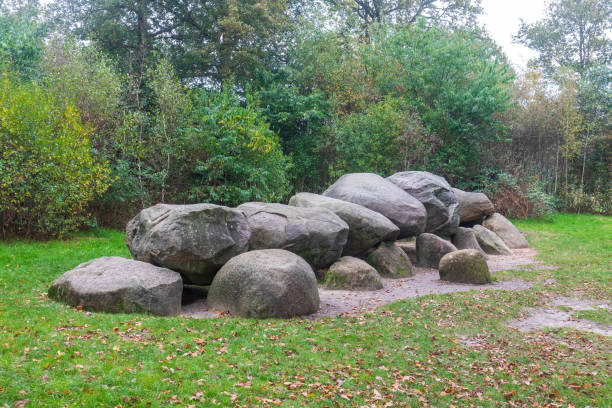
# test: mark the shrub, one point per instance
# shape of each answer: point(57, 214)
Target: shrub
point(386, 138)
point(231, 154)
point(48, 175)
point(519, 200)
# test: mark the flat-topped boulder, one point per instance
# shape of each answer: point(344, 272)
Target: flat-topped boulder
point(472, 206)
point(465, 266)
point(505, 230)
point(316, 234)
point(436, 195)
point(367, 228)
point(119, 285)
point(430, 249)
point(391, 261)
point(350, 273)
point(381, 195)
point(195, 240)
point(265, 283)
point(490, 242)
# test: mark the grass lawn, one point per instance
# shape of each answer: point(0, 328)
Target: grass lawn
point(442, 350)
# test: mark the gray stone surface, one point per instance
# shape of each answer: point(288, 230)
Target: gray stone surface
point(436, 195)
point(473, 206)
point(367, 228)
point(350, 273)
point(464, 238)
point(505, 230)
point(265, 283)
point(409, 247)
point(430, 249)
point(391, 261)
point(465, 266)
point(316, 234)
point(119, 285)
point(490, 242)
point(381, 195)
point(195, 240)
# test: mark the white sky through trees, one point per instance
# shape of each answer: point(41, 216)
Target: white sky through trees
point(502, 20)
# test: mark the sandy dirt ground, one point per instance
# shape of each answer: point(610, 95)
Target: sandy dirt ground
point(425, 282)
point(552, 316)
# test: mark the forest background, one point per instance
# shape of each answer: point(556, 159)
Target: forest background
point(109, 106)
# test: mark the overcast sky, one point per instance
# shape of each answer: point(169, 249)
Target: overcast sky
point(502, 20)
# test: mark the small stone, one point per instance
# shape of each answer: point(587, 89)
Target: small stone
point(350, 273)
point(465, 266)
point(391, 261)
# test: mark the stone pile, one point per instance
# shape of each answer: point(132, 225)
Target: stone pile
point(264, 259)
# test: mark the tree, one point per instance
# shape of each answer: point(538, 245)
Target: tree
point(407, 12)
point(574, 34)
point(21, 38)
point(208, 41)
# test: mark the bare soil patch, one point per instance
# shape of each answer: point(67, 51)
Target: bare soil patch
point(553, 317)
point(425, 282)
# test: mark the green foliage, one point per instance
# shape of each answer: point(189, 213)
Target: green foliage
point(21, 43)
point(515, 199)
point(574, 34)
point(233, 155)
point(301, 120)
point(386, 138)
point(48, 176)
point(456, 82)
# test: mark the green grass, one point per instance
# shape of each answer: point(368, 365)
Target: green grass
point(602, 316)
point(411, 352)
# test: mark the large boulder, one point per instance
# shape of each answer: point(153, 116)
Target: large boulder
point(195, 240)
point(436, 195)
point(367, 228)
point(350, 273)
point(391, 261)
point(265, 283)
point(119, 285)
point(409, 247)
point(472, 206)
point(506, 231)
point(490, 242)
point(464, 238)
point(430, 249)
point(465, 266)
point(316, 234)
point(380, 195)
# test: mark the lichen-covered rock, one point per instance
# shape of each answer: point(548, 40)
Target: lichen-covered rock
point(436, 195)
point(464, 238)
point(430, 249)
point(409, 247)
point(465, 266)
point(316, 234)
point(382, 196)
point(350, 273)
point(119, 285)
point(391, 261)
point(194, 240)
point(265, 283)
point(472, 206)
point(506, 231)
point(367, 228)
point(490, 242)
